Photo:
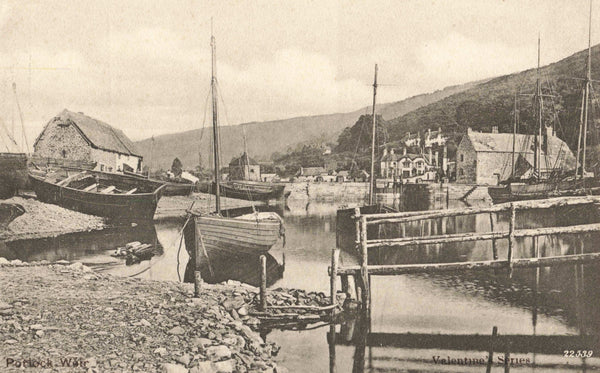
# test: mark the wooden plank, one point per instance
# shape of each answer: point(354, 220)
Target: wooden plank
point(541, 344)
point(131, 191)
point(67, 180)
point(474, 236)
point(403, 217)
point(430, 240)
point(400, 269)
point(91, 187)
point(108, 189)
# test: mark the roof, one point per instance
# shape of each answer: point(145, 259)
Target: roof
point(396, 157)
point(312, 171)
point(557, 150)
point(99, 134)
point(242, 160)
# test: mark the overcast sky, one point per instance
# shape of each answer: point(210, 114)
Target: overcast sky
point(144, 66)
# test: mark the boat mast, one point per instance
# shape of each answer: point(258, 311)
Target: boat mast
point(514, 136)
point(374, 128)
point(587, 92)
point(538, 136)
point(213, 89)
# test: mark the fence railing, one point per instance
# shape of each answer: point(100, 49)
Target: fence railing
point(363, 271)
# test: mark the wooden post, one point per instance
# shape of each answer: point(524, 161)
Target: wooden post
point(364, 271)
point(263, 283)
point(494, 248)
point(331, 340)
point(345, 284)
point(196, 251)
point(335, 256)
point(511, 236)
point(491, 350)
point(357, 225)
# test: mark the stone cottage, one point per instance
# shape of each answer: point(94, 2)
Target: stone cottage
point(244, 168)
point(486, 158)
point(77, 137)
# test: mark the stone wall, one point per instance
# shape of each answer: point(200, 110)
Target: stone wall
point(107, 161)
point(60, 141)
point(466, 162)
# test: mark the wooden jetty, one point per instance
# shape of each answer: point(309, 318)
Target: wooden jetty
point(361, 273)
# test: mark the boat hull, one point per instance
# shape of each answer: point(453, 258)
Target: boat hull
point(178, 189)
point(522, 192)
point(230, 235)
point(246, 190)
point(122, 207)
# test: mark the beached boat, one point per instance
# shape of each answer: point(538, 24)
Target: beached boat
point(114, 196)
point(180, 187)
point(13, 173)
point(9, 212)
point(246, 190)
point(253, 233)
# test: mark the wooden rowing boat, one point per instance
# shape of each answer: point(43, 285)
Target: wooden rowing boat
point(253, 233)
point(246, 190)
point(115, 196)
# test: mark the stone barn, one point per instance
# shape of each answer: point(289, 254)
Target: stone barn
point(244, 168)
point(77, 137)
point(486, 158)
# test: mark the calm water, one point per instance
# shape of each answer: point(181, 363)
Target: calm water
point(560, 301)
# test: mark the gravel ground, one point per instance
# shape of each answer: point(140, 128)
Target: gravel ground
point(52, 313)
point(47, 220)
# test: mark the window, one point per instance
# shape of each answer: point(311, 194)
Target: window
point(406, 164)
point(460, 172)
point(64, 153)
point(462, 157)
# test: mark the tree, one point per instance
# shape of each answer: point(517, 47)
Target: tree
point(358, 137)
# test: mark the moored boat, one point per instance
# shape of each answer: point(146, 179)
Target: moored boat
point(115, 196)
point(246, 190)
point(253, 233)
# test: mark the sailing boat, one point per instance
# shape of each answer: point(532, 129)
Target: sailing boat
point(538, 187)
point(242, 187)
point(345, 224)
point(252, 233)
point(13, 162)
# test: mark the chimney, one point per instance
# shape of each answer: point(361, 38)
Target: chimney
point(494, 129)
point(404, 151)
point(550, 131)
point(469, 130)
point(392, 151)
point(385, 151)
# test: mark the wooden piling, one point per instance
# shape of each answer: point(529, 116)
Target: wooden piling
point(197, 274)
point(491, 350)
point(494, 248)
point(364, 271)
point(263, 283)
point(357, 226)
point(511, 236)
point(335, 256)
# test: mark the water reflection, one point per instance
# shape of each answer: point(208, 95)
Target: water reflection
point(219, 267)
point(92, 248)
